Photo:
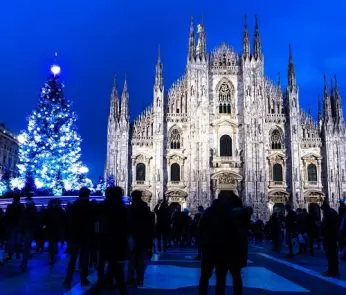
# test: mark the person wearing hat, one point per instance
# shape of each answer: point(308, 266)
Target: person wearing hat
point(330, 234)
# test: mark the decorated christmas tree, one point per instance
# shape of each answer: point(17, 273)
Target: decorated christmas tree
point(50, 147)
point(101, 186)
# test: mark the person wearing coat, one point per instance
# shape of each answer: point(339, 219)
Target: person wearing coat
point(114, 232)
point(80, 222)
point(163, 224)
point(53, 219)
point(142, 233)
point(224, 242)
point(330, 234)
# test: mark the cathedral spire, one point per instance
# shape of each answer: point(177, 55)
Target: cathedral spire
point(201, 51)
point(279, 80)
point(114, 108)
point(257, 42)
point(326, 102)
point(291, 71)
point(125, 102)
point(192, 46)
point(159, 71)
point(339, 118)
point(319, 109)
point(246, 40)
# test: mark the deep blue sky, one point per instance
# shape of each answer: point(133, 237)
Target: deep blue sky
point(99, 38)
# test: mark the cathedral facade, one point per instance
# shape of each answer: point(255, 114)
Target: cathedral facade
point(224, 126)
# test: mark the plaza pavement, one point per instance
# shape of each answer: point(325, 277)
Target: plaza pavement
point(176, 273)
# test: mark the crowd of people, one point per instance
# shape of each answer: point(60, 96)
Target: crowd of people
point(105, 235)
point(304, 232)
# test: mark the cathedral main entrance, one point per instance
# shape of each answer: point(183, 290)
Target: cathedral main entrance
point(225, 181)
point(176, 197)
point(313, 200)
point(227, 192)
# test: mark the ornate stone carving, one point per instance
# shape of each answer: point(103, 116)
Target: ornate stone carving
point(226, 178)
point(278, 197)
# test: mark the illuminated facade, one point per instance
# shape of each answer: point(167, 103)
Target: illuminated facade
point(224, 126)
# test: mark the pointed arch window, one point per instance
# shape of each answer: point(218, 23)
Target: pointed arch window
point(175, 140)
point(140, 172)
point(277, 172)
point(224, 99)
point(175, 172)
point(225, 146)
point(276, 141)
point(312, 173)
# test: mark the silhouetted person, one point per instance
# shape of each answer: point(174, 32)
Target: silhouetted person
point(28, 226)
point(291, 228)
point(195, 225)
point(41, 232)
point(142, 236)
point(13, 216)
point(94, 246)
point(54, 217)
point(186, 228)
point(312, 229)
point(80, 224)
point(342, 217)
point(177, 227)
point(163, 223)
point(223, 231)
point(2, 235)
point(114, 235)
point(330, 234)
point(275, 231)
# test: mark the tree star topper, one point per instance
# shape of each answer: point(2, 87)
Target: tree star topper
point(55, 69)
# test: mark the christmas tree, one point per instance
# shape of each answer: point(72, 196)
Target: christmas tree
point(50, 147)
point(101, 186)
point(3, 187)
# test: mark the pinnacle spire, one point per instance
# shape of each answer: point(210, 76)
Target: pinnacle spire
point(291, 70)
point(159, 72)
point(192, 46)
point(319, 110)
point(325, 88)
point(279, 79)
point(114, 108)
point(257, 41)
point(326, 102)
point(125, 101)
point(290, 54)
point(246, 40)
point(339, 118)
point(201, 51)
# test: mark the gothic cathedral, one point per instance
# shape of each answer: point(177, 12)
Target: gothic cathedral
point(224, 126)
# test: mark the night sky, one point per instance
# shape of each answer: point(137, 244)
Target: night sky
point(96, 39)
